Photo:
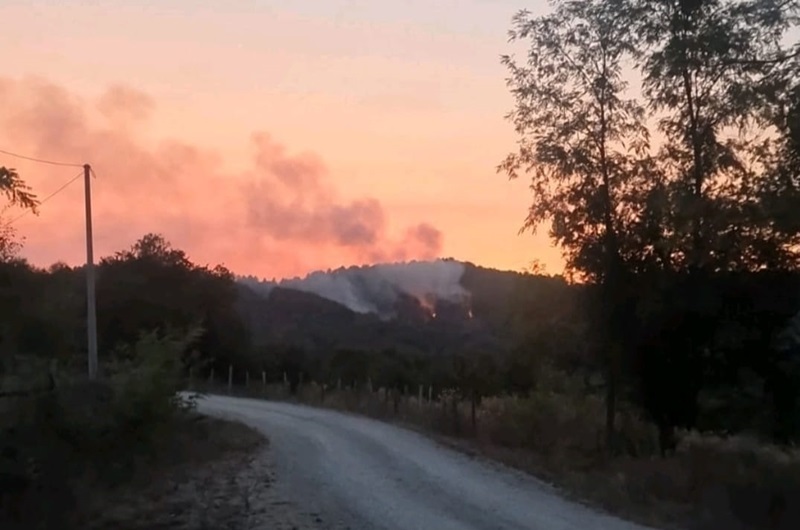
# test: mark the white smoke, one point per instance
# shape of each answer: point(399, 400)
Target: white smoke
point(375, 289)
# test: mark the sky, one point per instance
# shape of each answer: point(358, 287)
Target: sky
point(273, 137)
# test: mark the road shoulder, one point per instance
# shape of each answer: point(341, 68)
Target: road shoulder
point(227, 482)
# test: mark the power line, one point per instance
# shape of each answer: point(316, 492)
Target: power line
point(40, 160)
point(59, 190)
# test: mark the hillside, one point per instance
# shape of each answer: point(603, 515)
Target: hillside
point(434, 307)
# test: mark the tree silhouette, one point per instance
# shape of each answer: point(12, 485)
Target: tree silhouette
point(582, 145)
point(709, 70)
point(657, 226)
point(16, 191)
point(714, 74)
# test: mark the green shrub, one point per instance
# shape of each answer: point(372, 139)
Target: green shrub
point(89, 434)
point(146, 378)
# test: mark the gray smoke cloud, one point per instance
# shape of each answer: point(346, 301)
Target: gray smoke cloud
point(292, 201)
point(375, 289)
point(282, 212)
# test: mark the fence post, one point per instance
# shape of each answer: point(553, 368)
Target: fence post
point(454, 407)
point(430, 394)
point(339, 385)
point(230, 378)
point(285, 379)
point(419, 397)
point(369, 385)
point(264, 379)
point(247, 379)
point(211, 377)
point(473, 411)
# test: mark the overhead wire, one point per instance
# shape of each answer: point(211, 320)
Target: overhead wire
point(56, 192)
point(40, 160)
point(52, 163)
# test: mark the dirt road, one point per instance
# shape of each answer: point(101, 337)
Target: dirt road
point(362, 474)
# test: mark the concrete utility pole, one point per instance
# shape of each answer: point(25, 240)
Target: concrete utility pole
point(91, 311)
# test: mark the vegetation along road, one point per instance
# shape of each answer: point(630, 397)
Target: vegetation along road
point(361, 473)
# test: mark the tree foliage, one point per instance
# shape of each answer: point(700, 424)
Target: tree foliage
point(9, 244)
point(581, 137)
point(153, 286)
point(711, 77)
point(17, 193)
point(661, 140)
point(150, 287)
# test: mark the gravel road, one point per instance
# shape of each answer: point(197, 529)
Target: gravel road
point(363, 474)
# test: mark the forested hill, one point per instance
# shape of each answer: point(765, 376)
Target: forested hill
point(434, 307)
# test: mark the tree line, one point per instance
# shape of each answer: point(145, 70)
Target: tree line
point(742, 381)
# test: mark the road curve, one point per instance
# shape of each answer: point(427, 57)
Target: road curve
point(363, 474)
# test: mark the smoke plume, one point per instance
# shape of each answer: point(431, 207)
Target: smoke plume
point(375, 289)
point(279, 217)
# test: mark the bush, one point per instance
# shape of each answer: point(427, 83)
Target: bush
point(86, 435)
point(146, 378)
point(739, 462)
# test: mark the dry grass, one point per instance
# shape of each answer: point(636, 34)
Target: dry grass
point(557, 435)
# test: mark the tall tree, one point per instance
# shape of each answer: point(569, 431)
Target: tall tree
point(707, 66)
point(718, 80)
point(582, 143)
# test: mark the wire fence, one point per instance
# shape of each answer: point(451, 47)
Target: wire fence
point(443, 411)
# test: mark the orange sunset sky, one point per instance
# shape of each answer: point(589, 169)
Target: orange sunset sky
point(276, 137)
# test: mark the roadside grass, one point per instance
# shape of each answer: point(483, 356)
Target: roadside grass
point(556, 434)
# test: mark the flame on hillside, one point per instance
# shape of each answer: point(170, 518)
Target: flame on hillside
point(428, 305)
